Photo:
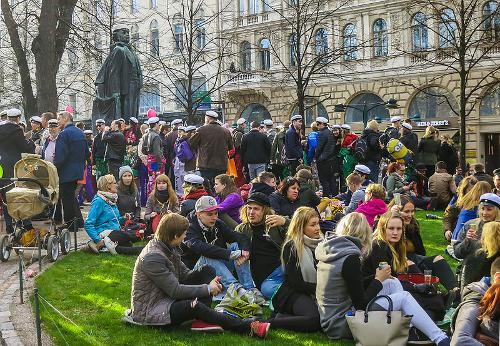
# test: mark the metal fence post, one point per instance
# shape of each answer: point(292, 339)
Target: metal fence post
point(37, 318)
point(21, 281)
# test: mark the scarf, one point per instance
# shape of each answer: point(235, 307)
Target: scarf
point(196, 194)
point(108, 197)
point(307, 259)
point(162, 196)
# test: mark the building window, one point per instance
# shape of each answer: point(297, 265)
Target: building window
point(149, 98)
point(490, 102)
point(134, 36)
point(155, 38)
point(72, 101)
point(419, 32)
point(254, 6)
point(246, 56)
point(115, 4)
point(313, 109)
point(200, 34)
point(266, 7)
point(350, 42)
point(134, 6)
point(265, 54)
point(380, 40)
point(72, 57)
point(98, 10)
point(447, 28)
point(321, 42)
point(242, 7)
point(432, 102)
point(373, 104)
point(255, 112)
point(292, 42)
point(198, 91)
point(491, 20)
point(179, 37)
point(98, 47)
point(153, 4)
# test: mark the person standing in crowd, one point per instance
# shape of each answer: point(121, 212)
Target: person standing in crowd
point(237, 135)
point(448, 154)
point(270, 130)
point(255, 151)
point(143, 166)
point(35, 135)
point(99, 150)
point(480, 175)
point(86, 186)
point(324, 155)
point(46, 116)
point(70, 157)
point(278, 152)
point(312, 143)
point(441, 187)
point(133, 133)
point(49, 148)
point(185, 161)
point(373, 154)
point(392, 131)
point(115, 147)
point(428, 149)
point(293, 144)
point(346, 151)
point(409, 138)
point(496, 181)
point(152, 147)
point(12, 144)
point(169, 150)
point(211, 144)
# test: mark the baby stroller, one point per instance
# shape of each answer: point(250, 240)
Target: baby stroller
point(34, 197)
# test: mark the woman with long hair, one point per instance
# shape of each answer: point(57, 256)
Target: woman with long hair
point(228, 198)
point(161, 200)
point(468, 205)
point(294, 302)
point(129, 201)
point(285, 200)
point(340, 286)
point(428, 149)
point(448, 154)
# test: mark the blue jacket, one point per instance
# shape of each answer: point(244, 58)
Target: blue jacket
point(464, 216)
point(71, 154)
point(312, 143)
point(293, 148)
point(102, 216)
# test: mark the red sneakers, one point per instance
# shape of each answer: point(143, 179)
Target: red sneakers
point(259, 329)
point(200, 326)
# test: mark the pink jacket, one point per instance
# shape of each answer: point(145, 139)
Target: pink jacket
point(372, 209)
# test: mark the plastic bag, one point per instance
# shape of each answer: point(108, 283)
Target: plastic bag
point(244, 306)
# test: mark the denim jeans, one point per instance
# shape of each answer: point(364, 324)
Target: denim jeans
point(254, 169)
point(272, 283)
point(226, 268)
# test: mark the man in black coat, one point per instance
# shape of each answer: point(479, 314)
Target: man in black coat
point(115, 148)
point(409, 138)
point(324, 156)
point(293, 144)
point(373, 155)
point(206, 244)
point(255, 150)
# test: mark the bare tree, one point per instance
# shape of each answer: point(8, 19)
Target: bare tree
point(47, 36)
point(467, 34)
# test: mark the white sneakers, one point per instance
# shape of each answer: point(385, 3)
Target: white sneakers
point(110, 245)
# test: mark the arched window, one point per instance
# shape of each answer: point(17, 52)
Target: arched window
point(255, 112)
point(419, 32)
point(432, 102)
point(313, 109)
point(200, 33)
point(350, 42)
point(380, 42)
point(178, 33)
point(321, 41)
point(491, 20)
point(134, 36)
point(447, 28)
point(292, 42)
point(367, 105)
point(265, 54)
point(246, 56)
point(490, 102)
point(155, 38)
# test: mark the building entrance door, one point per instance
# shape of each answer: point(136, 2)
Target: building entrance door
point(492, 151)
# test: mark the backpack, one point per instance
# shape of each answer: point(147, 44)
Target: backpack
point(360, 149)
point(145, 145)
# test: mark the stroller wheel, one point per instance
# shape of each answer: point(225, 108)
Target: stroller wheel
point(5, 247)
point(65, 241)
point(52, 248)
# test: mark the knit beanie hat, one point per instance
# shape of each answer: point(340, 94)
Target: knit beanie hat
point(123, 170)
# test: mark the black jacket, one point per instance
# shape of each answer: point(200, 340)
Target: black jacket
point(255, 147)
point(308, 197)
point(448, 154)
point(115, 145)
point(481, 176)
point(98, 148)
point(129, 203)
point(262, 187)
point(211, 243)
point(282, 206)
point(374, 152)
point(326, 149)
point(410, 141)
point(12, 144)
point(412, 234)
point(293, 147)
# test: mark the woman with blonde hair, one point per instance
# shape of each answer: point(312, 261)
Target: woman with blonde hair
point(428, 149)
point(374, 204)
point(161, 200)
point(340, 287)
point(294, 301)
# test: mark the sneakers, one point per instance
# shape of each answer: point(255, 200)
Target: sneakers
point(110, 245)
point(259, 329)
point(416, 337)
point(200, 326)
point(92, 247)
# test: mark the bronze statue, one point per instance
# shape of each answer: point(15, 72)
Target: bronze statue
point(118, 82)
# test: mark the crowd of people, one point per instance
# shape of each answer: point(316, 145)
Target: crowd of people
point(316, 225)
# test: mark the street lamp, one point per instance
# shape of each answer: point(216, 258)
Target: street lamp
point(366, 107)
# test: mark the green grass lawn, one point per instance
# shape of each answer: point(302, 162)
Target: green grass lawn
point(94, 291)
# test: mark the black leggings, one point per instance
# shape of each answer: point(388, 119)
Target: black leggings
point(125, 242)
point(186, 310)
point(304, 316)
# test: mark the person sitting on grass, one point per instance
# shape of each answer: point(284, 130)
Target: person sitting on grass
point(207, 242)
point(475, 321)
point(266, 183)
point(355, 185)
point(266, 232)
point(450, 216)
point(129, 201)
point(374, 204)
point(307, 194)
point(294, 302)
point(162, 199)
point(103, 223)
point(193, 189)
point(166, 292)
point(340, 286)
point(285, 200)
point(228, 200)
